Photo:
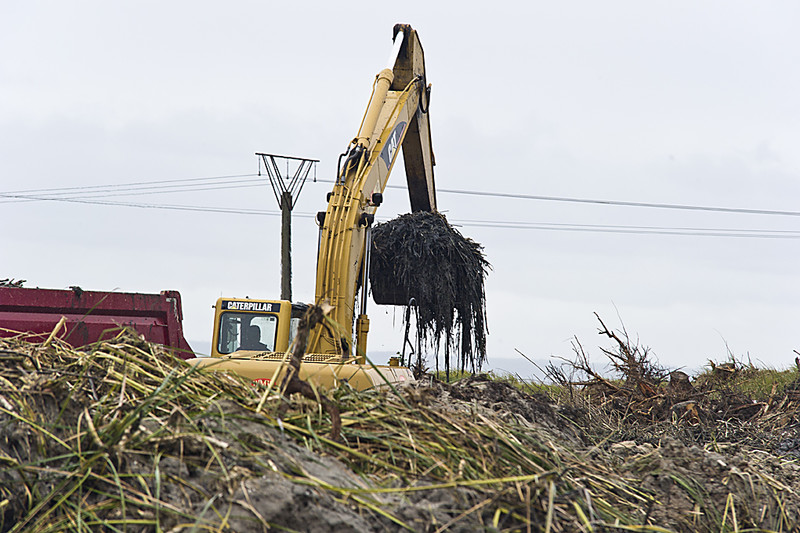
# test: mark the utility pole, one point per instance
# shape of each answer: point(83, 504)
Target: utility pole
point(287, 190)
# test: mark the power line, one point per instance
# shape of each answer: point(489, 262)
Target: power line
point(626, 204)
point(639, 230)
point(243, 184)
point(204, 209)
point(68, 194)
point(522, 225)
point(131, 184)
point(519, 196)
point(191, 184)
point(135, 189)
point(495, 224)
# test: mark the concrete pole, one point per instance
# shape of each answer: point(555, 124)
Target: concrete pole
point(286, 246)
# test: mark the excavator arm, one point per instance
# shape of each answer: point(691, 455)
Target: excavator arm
point(397, 115)
point(417, 147)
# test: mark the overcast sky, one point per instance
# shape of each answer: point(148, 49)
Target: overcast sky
point(680, 103)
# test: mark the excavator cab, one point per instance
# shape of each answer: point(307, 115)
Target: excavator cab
point(252, 325)
point(252, 338)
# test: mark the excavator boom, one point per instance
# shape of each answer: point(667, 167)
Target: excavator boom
point(397, 115)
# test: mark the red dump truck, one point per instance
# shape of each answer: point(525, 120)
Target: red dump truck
point(92, 315)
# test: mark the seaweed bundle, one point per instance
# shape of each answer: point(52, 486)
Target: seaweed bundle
point(420, 258)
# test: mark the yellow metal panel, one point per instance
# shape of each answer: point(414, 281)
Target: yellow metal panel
point(326, 375)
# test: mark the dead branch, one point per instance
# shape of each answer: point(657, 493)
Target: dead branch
point(623, 346)
point(292, 383)
point(633, 361)
point(582, 363)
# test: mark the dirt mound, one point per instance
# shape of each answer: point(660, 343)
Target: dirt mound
point(696, 485)
point(123, 436)
point(480, 391)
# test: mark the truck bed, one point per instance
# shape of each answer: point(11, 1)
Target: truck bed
point(93, 315)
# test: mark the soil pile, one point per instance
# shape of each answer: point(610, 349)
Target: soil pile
point(122, 436)
point(420, 256)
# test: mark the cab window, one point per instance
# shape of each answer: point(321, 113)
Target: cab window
point(247, 331)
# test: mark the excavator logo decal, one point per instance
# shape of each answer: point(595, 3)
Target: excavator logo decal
point(392, 144)
point(262, 307)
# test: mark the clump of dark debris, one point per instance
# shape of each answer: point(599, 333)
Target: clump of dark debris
point(419, 257)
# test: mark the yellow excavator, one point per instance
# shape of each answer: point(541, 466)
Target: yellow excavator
point(253, 337)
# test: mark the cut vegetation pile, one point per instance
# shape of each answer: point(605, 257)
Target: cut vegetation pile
point(122, 436)
point(723, 404)
point(420, 256)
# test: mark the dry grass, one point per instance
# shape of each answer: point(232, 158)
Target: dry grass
point(124, 437)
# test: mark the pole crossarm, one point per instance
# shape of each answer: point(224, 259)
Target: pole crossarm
point(286, 190)
point(282, 184)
